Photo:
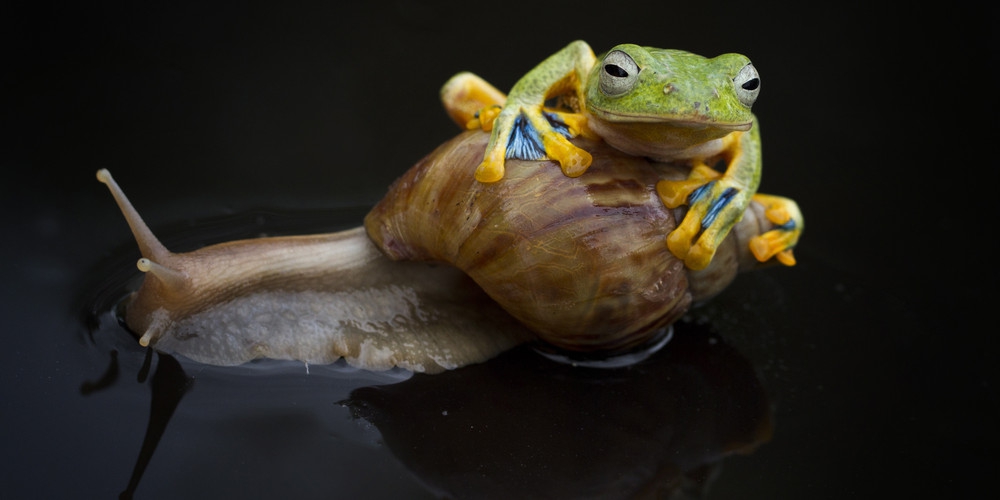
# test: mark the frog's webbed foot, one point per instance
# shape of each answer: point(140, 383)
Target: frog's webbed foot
point(531, 133)
point(716, 203)
point(778, 242)
point(525, 132)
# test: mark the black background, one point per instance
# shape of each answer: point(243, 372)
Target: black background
point(876, 122)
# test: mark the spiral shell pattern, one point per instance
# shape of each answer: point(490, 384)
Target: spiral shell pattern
point(581, 261)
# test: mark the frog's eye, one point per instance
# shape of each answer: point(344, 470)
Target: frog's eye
point(619, 74)
point(747, 84)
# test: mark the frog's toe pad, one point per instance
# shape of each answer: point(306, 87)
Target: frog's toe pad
point(676, 193)
point(776, 243)
point(778, 215)
point(697, 256)
point(700, 256)
point(573, 160)
point(491, 169)
point(679, 242)
point(484, 119)
point(785, 257)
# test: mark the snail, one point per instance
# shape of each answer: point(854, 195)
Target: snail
point(445, 271)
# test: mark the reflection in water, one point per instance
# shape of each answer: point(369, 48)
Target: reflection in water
point(106, 380)
point(521, 426)
point(168, 386)
point(103, 306)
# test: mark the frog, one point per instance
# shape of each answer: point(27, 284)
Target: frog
point(665, 104)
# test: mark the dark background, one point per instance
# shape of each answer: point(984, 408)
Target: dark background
point(877, 123)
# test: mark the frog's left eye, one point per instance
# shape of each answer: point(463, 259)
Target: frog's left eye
point(747, 84)
point(619, 74)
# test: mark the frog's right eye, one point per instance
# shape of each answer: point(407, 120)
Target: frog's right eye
point(619, 74)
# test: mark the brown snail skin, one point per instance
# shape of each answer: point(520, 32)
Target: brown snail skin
point(446, 271)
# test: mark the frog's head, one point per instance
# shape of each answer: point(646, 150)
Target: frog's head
point(643, 84)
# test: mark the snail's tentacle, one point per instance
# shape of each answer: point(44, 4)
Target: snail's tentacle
point(149, 245)
point(172, 278)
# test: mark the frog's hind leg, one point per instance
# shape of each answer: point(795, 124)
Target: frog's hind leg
point(778, 242)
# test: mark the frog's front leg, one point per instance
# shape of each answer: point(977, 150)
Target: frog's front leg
point(523, 128)
point(526, 133)
point(473, 104)
point(778, 242)
point(716, 201)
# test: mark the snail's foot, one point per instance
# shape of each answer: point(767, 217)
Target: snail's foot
point(714, 207)
point(471, 102)
point(784, 213)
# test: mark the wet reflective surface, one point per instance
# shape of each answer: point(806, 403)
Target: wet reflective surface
point(746, 386)
point(521, 425)
point(534, 429)
point(861, 372)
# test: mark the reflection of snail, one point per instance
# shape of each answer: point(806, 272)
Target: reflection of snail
point(653, 430)
point(584, 267)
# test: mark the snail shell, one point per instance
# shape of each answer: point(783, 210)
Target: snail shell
point(580, 263)
point(580, 260)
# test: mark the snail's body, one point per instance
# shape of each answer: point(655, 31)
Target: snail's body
point(589, 273)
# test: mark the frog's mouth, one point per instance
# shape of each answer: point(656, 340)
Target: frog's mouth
point(679, 121)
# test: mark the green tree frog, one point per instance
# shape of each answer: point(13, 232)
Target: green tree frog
point(668, 105)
